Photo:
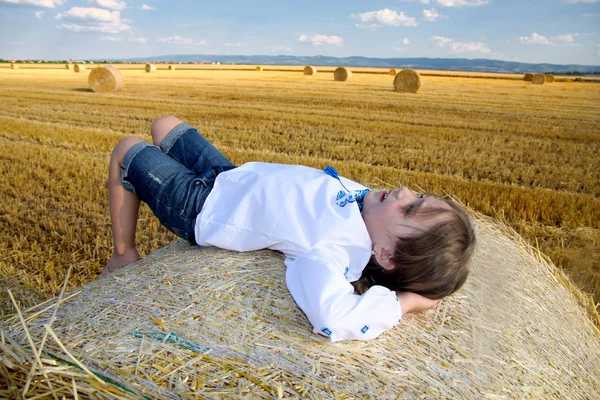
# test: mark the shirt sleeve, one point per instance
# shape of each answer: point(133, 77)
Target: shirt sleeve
point(321, 290)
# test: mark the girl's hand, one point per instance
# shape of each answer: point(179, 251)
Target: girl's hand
point(412, 302)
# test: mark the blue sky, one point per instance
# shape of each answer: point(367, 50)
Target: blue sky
point(536, 31)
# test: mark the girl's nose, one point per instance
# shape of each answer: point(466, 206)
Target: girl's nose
point(405, 193)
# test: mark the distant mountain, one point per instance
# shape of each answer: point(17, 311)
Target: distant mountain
point(456, 64)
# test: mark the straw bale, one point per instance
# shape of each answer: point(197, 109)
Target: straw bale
point(528, 76)
point(393, 71)
point(79, 68)
point(309, 70)
point(171, 68)
point(68, 66)
point(538, 79)
point(407, 81)
point(189, 322)
point(259, 68)
point(150, 68)
point(14, 66)
point(342, 74)
point(105, 79)
point(549, 78)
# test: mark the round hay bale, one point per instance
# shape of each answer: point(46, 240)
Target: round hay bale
point(309, 70)
point(150, 68)
point(14, 66)
point(187, 321)
point(68, 66)
point(528, 76)
point(259, 68)
point(342, 74)
point(79, 68)
point(105, 79)
point(538, 79)
point(407, 81)
point(549, 78)
point(393, 72)
point(171, 68)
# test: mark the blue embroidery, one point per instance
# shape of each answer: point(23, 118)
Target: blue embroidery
point(326, 331)
point(346, 271)
point(364, 329)
point(348, 196)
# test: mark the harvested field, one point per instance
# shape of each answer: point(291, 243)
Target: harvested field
point(526, 155)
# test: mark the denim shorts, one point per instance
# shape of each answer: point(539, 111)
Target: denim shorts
point(176, 178)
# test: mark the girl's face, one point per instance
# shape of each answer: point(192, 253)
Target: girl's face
point(392, 214)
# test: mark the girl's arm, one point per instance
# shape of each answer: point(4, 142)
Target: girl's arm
point(319, 287)
point(412, 302)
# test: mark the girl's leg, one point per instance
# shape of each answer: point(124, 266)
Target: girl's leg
point(124, 207)
point(162, 126)
point(187, 146)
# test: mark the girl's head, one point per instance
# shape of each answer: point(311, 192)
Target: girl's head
point(421, 244)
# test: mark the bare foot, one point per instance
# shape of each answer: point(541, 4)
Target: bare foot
point(119, 261)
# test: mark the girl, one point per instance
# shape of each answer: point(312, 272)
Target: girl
point(356, 259)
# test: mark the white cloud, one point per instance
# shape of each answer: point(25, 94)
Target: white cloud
point(432, 15)
point(233, 44)
point(92, 20)
point(91, 13)
point(321, 39)
point(376, 19)
point(146, 7)
point(181, 40)
point(459, 47)
point(110, 4)
point(470, 47)
point(282, 49)
point(405, 41)
point(461, 3)
point(535, 38)
point(566, 38)
point(138, 40)
point(580, 1)
point(424, 1)
point(38, 14)
point(440, 41)
point(35, 3)
point(111, 38)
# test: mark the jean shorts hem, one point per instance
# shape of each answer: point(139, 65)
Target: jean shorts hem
point(173, 135)
point(129, 155)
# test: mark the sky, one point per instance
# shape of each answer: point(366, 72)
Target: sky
point(536, 31)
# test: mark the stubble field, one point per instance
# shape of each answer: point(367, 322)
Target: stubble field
point(528, 155)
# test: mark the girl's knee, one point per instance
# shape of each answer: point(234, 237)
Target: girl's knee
point(121, 148)
point(162, 126)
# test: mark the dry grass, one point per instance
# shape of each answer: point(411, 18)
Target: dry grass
point(526, 156)
point(190, 322)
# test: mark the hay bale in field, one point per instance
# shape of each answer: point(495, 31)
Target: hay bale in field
point(190, 322)
point(549, 78)
point(393, 72)
point(528, 76)
point(342, 74)
point(79, 68)
point(259, 68)
point(171, 68)
point(14, 66)
point(309, 70)
point(150, 68)
point(68, 66)
point(407, 81)
point(105, 79)
point(538, 79)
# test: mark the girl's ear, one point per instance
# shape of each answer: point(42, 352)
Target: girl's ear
point(384, 258)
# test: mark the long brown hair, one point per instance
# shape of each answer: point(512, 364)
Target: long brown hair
point(433, 264)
